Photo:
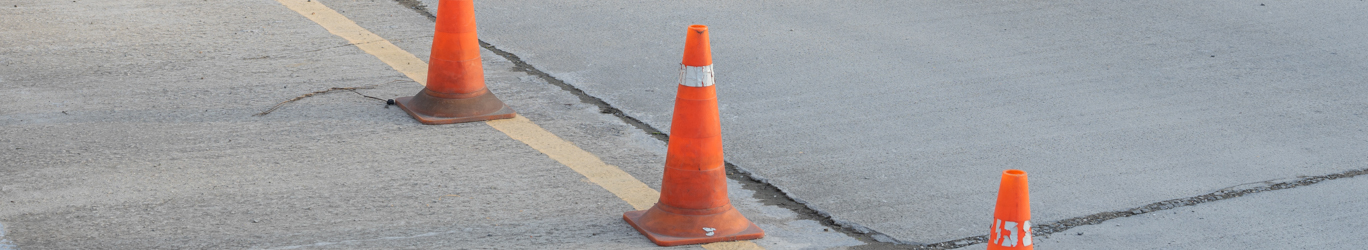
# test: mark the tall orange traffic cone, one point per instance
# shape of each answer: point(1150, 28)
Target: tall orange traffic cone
point(693, 206)
point(455, 90)
point(1012, 216)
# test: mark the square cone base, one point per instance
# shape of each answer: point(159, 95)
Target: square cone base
point(406, 104)
point(750, 233)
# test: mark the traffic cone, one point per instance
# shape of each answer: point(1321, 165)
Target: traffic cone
point(1012, 216)
point(455, 90)
point(693, 206)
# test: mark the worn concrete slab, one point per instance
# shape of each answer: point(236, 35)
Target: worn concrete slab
point(898, 115)
point(132, 126)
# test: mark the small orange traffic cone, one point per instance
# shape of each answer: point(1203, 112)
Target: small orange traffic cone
point(693, 206)
point(455, 90)
point(1012, 216)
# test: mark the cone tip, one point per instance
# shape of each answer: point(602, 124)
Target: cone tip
point(699, 28)
point(1014, 172)
point(696, 51)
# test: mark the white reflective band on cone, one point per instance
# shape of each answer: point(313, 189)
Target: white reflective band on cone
point(694, 76)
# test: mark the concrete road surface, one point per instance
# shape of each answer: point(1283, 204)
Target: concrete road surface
point(136, 125)
point(132, 123)
point(1272, 220)
point(896, 117)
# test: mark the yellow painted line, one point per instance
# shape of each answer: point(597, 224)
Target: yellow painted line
point(607, 176)
point(519, 128)
point(339, 25)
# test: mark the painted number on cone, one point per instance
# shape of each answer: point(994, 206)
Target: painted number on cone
point(1010, 233)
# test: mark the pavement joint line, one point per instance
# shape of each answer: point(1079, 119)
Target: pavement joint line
point(1045, 230)
point(765, 191)
point(761, 185)
point(612, 178)
point(1042, 230)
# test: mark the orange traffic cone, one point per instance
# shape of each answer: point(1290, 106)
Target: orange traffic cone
point(455, 90)
point(1012, 216)
point(693, 206)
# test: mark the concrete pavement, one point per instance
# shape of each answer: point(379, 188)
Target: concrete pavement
point(133, 125)
point(895, 117)
point(131, 122)
point(1328, 215)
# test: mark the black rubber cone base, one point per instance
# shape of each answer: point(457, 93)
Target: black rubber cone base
point(432, 110)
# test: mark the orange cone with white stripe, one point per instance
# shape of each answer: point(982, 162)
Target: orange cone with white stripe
point(455, 90)
point(693, 206)
point(1012, 216)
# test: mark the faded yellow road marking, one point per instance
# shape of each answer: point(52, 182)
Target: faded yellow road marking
point(609, 177)
point(519, 128)
point(373, 44)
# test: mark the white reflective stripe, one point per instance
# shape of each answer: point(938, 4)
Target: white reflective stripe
point(1009, 227)
point(997, 232)
point(694, 76)
point(1026, 237)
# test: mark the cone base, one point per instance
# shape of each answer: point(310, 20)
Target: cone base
point(432, 110)
point(635, 218)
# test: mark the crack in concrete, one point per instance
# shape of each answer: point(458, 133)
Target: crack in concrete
point(329, 90)
point(1045, 230)
point(766, 192)
point(419, 7)
point(770, 194)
